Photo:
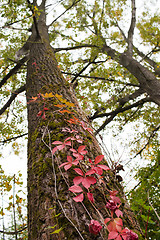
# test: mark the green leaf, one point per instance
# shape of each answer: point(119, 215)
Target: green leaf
point(57, 231)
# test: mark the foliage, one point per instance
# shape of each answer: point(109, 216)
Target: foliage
point(145, 197)
point(105, 83)
point(13, 205)
point(90, 174)
point(107, 91)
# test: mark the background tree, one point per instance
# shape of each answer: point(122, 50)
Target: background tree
point(13, 207)
point(124, 80)
point(144, 197)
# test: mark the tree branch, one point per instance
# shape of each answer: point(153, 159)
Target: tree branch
point(9, 24)
point(101, 78)
point(30, 5)
point(13, 70)
point(75, 47)
point(111, 115)
point(13, 96)
point(131, 29)
point(149, 139)
point(145, 77)
point(122, 102)
point(73, 4)
point(141, 54)
point(13, 138)
point(153, 207)
point(13, 233)
point(82, 70)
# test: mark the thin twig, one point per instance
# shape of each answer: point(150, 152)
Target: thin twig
point(55, 182)
point(14, 212)
point(73, 4)
point(153, 207)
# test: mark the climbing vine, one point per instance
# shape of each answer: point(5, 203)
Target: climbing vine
point(89, 172)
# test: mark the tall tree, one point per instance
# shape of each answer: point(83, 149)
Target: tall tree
point(48, 194)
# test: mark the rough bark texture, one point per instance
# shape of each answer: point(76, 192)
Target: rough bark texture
point(47, 195)
point(147, 80)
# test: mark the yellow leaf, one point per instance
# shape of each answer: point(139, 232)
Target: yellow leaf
point(58, 96)
point(10, 197)
point(63, 111)
point(2, 213)
point(57, 231)
point(70, 104)
point(47, 95)
point(60, 105)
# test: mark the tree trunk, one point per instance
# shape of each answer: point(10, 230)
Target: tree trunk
point(48, 194)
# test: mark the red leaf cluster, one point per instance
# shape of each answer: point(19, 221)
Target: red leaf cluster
point(94, 227)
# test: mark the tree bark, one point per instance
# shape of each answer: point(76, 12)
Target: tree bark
point(48, 194)
point(147, 80)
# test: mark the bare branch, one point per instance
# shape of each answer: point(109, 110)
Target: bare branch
point(111, 115)
point(101, 78)
point(82, 70)
point(73, 4)
point(132, 96)
point(149, 139)
point(131, 29)
point(13, 233)
point(13, 70)
point(122, 102)
point(13, 138)
point(153, 133)
point(75, 47)
point(13, 96)
point(153, 207)
point(9, 24)
point(66, 36)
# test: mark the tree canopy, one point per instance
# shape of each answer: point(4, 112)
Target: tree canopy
point(107, 50)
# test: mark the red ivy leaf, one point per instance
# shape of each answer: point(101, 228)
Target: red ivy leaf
point(104, 167)
point(79, 171)
point(67, 139)
point(115, 199)
point(68, 143)
point(45, 109)
point(88, 181)
point(81, 149)
point(43, 116)
point(69, 158)
point(57, 142)
point(60, 147)
point(73, 150)
point(77, 180)
point(107, 220)
point(113, 235)
point(91, 171)
point(90, 197)
point(39, 113)
point(98, 170)
point(118, 221)
point(98, 159)
point(79, 198)
point(75, 189)
point(54, 150)
point(67, 166)
point(118, 213)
